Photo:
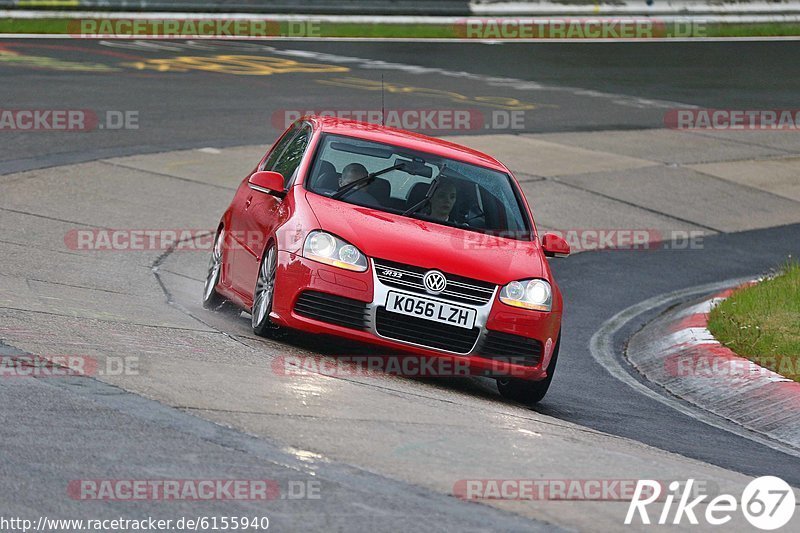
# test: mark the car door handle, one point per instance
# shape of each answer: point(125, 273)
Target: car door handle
point(248, 202)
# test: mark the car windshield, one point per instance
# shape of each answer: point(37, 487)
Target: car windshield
point(419, 185)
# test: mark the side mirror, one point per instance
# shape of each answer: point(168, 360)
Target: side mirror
point(267, 182)
point(554, 246)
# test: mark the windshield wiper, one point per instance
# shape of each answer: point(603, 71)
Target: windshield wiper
point(363, 182)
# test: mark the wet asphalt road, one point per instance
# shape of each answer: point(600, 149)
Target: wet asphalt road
point(556, 87)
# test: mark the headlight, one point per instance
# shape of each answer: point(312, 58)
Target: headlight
point(326, 248)
point(530, 294)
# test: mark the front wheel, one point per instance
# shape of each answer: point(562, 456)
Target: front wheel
point(264, 293)
point(211, 298)
point(529, 392)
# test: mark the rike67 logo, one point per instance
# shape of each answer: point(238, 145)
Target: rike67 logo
point(767, 503)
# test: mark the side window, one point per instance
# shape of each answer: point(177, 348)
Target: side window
point(269, 164)
point(289, 160)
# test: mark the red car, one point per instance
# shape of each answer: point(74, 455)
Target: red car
point(393, 238)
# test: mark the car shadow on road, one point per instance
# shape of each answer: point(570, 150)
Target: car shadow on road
point(360, 360)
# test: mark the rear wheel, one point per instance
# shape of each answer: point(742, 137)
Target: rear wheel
point(264, 293)
point(529, 392)
point(211, 298)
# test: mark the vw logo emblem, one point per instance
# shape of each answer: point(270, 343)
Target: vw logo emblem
point(434, 281)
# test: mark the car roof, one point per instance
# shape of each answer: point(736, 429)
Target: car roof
point(404, 139)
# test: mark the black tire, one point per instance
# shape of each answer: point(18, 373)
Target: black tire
point(263, 294)
point(211, 298)
point(529, 392)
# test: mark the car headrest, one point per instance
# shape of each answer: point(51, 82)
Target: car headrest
point(326, 167)
point(327, 177)
point(417, 194)
point(381, 189)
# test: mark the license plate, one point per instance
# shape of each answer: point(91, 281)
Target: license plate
point(433, 310)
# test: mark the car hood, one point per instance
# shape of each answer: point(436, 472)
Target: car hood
point(383, 235)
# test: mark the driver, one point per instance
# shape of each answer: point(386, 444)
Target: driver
point(351, 173)
point(443, 200)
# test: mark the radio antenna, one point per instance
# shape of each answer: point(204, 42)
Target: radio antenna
point(383, 104)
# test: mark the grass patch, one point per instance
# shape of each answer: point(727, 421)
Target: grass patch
point(762, 322)
point(436, 30)
point(770, 29)
point(46, 26)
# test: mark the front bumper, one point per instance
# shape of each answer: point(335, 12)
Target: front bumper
point(495, 323)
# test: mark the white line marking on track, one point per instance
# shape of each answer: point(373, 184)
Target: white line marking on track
point(602, 349)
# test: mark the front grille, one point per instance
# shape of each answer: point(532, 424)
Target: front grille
point(511, 348)
point(333, 309)
point(459, 288)
point(425, 332)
